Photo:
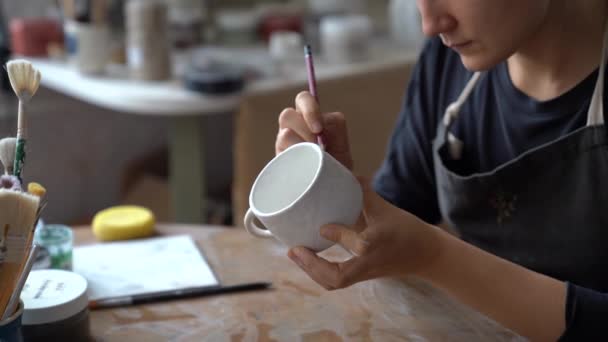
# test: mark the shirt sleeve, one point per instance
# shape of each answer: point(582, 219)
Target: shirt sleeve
point(407, 177)
point(586, 315)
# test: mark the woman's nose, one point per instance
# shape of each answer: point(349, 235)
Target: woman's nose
point(435, 18)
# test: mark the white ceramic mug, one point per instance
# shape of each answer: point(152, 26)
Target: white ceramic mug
point(299, 191)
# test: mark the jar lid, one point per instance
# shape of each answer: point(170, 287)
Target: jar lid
point(53, 295)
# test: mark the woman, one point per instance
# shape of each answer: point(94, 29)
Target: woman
point(501, 138)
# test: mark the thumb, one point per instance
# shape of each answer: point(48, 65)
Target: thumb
point(372, 202)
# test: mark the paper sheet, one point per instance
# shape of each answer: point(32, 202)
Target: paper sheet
point(142, 266)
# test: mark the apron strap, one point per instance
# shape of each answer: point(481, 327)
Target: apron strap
point(451, 113)
point(455, 146)
point(595, 115)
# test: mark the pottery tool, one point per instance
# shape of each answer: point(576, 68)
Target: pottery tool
point(7, 154)
point(25, 80)
point(25, 271)
point(18, 212)
point(312, 85)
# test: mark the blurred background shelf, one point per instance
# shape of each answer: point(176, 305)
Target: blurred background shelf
point(102, 140)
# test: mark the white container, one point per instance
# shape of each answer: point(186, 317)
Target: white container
point(345, 39)
point(92, 50)
point(55, 307)
point(286, 49)
point(53, 295)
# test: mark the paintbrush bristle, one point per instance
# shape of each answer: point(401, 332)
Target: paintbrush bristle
point(7, 154)
point(18, 210)
point(24, 78)
point(17, 217)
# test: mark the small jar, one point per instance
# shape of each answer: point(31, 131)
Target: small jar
point(55, 307)
point(56, 242)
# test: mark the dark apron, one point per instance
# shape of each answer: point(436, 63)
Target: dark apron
point(546, 209)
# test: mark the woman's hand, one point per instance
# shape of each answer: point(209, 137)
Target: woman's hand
point(305, 121)
point(390, 242)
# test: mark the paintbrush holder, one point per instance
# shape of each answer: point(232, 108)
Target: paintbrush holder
point(11, 328)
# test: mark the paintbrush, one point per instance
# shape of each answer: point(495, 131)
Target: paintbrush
point(18, 212)
point(27, 267)
point(312, 85)
point(7, 158)
point(37, 189)
point(7, 154)
point(25, 80)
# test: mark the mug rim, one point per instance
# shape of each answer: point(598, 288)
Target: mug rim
point(319, 152)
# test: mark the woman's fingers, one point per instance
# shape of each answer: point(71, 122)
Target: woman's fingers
point(327, 274)
point(308, 106)
point(294, 120)
point(285, 138)
point(335, 134)
point(302, 121)
point(347, 237)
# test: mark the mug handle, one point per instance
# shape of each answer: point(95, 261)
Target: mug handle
point(253, 229)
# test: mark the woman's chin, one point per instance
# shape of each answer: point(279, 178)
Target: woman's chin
point(478, 61)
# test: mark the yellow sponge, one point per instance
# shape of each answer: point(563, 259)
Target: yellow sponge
point(123, 222)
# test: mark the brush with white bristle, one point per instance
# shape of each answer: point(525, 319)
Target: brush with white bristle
point(7, 154)
point(25, 80)
point(18, 212)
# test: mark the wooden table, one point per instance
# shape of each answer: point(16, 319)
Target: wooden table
point(297, 309)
